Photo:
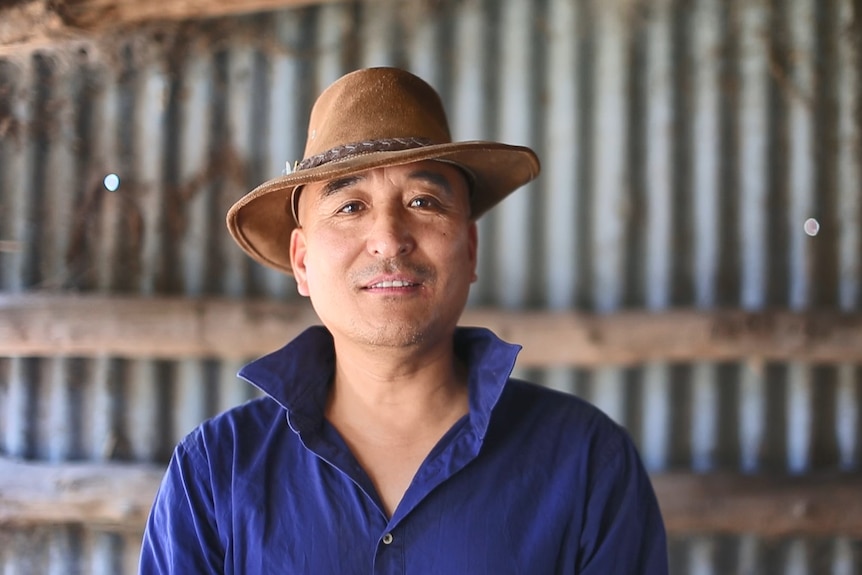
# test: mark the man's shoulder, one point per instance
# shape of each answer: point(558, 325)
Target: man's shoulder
point(552, 416)
point(244, 423)
point(530, 397)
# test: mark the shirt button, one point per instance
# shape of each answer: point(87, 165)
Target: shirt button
point(387, 539)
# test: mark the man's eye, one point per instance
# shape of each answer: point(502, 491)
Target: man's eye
point(350, 208)
point(422, 202)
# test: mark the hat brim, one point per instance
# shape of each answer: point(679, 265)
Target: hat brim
point(262, 221)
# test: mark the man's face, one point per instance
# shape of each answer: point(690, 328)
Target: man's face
point(387, 256)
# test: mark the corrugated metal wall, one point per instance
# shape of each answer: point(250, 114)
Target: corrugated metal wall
point(684, 145)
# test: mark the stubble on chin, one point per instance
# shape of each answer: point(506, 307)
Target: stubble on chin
point(389, 332)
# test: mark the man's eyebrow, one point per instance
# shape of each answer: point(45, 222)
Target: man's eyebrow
point(432, 177)
point(334, 186)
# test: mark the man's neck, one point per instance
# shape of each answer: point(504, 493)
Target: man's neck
point(394, 396)
point(392, 406)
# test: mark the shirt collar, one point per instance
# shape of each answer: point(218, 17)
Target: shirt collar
point(297, 376)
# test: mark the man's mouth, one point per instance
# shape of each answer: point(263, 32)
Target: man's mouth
point(392, 284)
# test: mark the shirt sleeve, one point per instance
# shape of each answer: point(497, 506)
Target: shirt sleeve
point(623, 532)
point(181, 535)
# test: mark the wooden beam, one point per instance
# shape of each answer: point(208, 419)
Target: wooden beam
point(680, 335)
point(174, 328)
point(114, 496)
point(119, 496)
point(103, 14)
point(768, 506)
point(27, 25)
point(146, 327)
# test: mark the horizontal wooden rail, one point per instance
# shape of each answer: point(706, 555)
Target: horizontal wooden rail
point(111, 495)
point(103, 14)
point(118, 496)
point(27, 25)
point(173, 328)
point(768, 506)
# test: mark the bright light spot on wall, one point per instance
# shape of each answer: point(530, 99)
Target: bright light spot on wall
point(112, 182)
point(811, 227)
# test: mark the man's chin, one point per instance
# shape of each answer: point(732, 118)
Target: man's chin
point(395, 337)
point(395, 334)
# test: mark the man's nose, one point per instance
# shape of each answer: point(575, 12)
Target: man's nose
point(390, 234)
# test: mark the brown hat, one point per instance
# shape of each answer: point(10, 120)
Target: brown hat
point(369, 119)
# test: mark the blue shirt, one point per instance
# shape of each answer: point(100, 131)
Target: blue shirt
point(531, 481)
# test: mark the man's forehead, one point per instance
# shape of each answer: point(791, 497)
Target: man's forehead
point(441, 174)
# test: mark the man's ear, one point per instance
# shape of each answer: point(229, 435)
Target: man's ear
point(473, 246)
point(298, 251)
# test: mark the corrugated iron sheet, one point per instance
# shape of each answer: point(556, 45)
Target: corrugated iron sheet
point(684, 144)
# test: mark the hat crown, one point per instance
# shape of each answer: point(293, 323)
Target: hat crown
point(376, 104)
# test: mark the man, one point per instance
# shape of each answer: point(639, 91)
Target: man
point(390, 441)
